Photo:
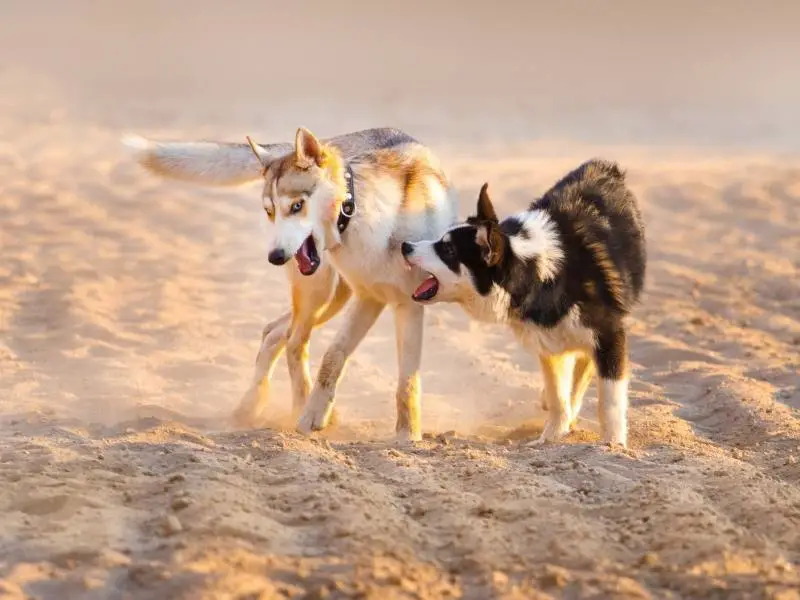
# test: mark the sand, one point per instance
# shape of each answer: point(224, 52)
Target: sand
point(131, 310)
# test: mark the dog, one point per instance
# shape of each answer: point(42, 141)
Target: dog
point(563, 275)
point(340, 207)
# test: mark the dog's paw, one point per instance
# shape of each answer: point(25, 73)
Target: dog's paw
point(316, 416)
point(616, 434)
point(616, 442)
point(406, 436)
point(554, 430)
point(540, 441)
point(250, 412)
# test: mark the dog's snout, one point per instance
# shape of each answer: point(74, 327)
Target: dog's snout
point(278, 257)
point(406, 248)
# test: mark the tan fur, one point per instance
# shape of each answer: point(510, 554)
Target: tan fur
point(315, 301)
point(360, 318)
point(411, 174)
point(409, 327)
point(401, 193)
point(581, 378)
point(557, 372)
point(291, 177)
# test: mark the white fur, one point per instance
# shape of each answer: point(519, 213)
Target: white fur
point(289, 232)
point(492, 308)
point(369, 260)
point(560, 348)
point(367, 263)
point(363, 259)
point(541, 241)
point(613, 410)
point(209, 163)
point(568, 335)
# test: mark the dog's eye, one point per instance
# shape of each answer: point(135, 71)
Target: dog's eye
point(296, 207)
point(448, 252)
point(268, 210)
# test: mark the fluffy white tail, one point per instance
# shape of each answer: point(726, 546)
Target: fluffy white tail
point(209, 163)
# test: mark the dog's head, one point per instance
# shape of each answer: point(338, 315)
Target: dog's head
point(460, 264)
point(302, 195)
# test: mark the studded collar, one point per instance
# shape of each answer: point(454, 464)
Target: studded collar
point(348, 208)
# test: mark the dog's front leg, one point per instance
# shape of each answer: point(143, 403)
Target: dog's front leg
point(557, 370)
point(409, 322)
point(611, 357)
point(361, 316)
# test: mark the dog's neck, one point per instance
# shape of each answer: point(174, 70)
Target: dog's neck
point(491, 308)
point(343, 203)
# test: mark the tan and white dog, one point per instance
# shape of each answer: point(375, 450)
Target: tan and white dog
point(340, 207)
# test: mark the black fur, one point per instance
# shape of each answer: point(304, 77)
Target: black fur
point(602, 237)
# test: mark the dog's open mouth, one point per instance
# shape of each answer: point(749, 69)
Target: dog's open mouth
point(307, 257)
point(427, 290)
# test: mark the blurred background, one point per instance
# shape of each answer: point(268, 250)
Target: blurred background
point(122, 290)
point(713, 73)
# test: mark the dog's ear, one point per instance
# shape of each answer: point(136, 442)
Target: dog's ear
point(307, 149)
point(260, 153)
point(485, 207)
point(490, 241)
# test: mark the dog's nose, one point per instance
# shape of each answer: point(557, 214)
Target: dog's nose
point(406, 248)
point(277, 257)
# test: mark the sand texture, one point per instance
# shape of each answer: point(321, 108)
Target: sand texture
point(131, 310)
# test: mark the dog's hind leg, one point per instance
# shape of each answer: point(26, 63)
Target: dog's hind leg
point(611, 356)
point(409, 323)
point(318, 305)
point(251, 407)
point(581, 378)
point(361, 316)
point(557, 372)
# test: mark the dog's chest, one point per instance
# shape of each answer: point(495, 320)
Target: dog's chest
point(371, 271)
point(568, 335)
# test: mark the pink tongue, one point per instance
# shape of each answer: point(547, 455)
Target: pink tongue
point(426, 285)
point(303, 259)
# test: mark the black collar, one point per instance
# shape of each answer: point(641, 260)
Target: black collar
point(348, 208)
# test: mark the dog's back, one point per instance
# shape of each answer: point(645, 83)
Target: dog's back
point(596, 211)
point(369, 140)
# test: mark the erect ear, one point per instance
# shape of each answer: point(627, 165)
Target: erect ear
point(490, 241)
point(485, 207)
point(307, 149)
point(260, 153)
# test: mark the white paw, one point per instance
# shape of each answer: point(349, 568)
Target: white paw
point(554, 430)
point(533, 443)
point(618, 439)
point(316, 416)
point(406, 436)
point(616, 433)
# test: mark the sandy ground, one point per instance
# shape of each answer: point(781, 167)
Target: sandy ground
point(131, 308)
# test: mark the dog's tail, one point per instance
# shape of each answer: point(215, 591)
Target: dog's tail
point(209, 163)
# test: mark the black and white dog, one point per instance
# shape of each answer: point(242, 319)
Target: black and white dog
point(563, 275)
